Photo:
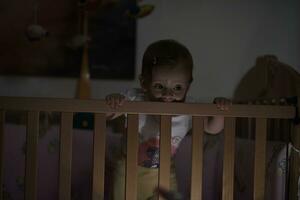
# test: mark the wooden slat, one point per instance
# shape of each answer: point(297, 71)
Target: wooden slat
point(65, 156)
point(260, 158)
point(228, 164)
point(271, 130)
point(285, 130)
point(99, 156)
point(31, 155)
point(250, 128)
point(153, 108)
point(165, 152)
point(132, 153)
point(197, 158)
point(295, 166)
point(295, 161)
point(277, 130)
point(2, 122)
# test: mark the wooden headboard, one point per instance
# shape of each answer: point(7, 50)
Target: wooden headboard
point(269, 82)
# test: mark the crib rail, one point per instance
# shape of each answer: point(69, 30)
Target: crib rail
point(68, 106)
point(276, 128)
point(65, 155)
point(99, 156)
point(31, 154)
point(152, 108)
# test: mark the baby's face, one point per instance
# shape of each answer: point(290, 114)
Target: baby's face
point(168, 84)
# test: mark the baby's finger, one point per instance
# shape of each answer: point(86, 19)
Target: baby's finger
point(121, 100)
point(118, 102)
point(218, 106)
point(227, 103)
point(223, 104)
point(222, 107)
point(108, 100)
point(115, 103)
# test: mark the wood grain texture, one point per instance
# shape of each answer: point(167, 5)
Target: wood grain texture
point(99, 156)
point(260, 158)
point(228, 163)
point(132, 157)
point(197, 158)
point(165, 152)
point(65, 156)
point(31, 168)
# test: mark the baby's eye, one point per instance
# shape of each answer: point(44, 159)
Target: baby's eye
point(158, 86)
point(177, 88)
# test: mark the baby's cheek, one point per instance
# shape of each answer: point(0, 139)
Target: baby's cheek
point(156, 94)
point(180, 96)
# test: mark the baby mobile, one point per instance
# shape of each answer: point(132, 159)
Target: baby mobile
point(81, 40)
point(36, 32)
point(136, 10)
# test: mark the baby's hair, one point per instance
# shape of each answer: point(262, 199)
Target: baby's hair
point(166, 53)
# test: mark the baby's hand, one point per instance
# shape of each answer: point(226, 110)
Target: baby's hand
point(222, 103)
point(115, 100)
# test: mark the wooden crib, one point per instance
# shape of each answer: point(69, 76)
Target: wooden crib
point(67, 107)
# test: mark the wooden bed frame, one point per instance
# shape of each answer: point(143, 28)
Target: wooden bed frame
point(67, 107)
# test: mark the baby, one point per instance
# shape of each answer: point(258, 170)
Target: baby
point(167, 73)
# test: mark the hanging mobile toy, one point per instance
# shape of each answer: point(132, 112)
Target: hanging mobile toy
point(80, 39)
point(139, 11)
point(36, 32)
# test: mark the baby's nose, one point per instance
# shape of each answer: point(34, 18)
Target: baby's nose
point(168, 92)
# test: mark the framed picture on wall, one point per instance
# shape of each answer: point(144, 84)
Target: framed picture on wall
point(112, 49)
point(54, 53)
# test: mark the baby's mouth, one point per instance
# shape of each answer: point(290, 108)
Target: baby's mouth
point(168, 99)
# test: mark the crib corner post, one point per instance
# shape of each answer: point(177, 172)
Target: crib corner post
point(294, 167)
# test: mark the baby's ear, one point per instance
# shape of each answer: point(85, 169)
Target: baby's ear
point(142, 82)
